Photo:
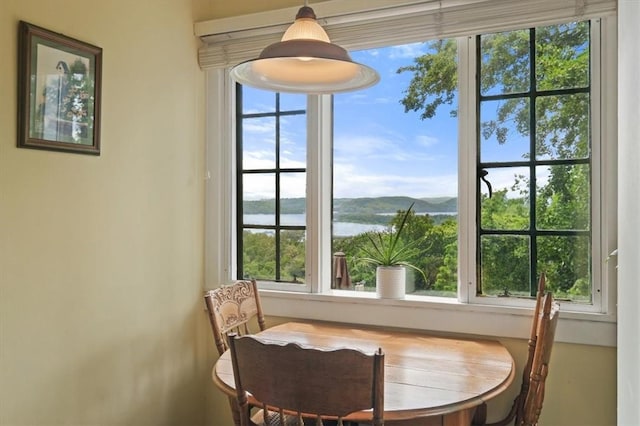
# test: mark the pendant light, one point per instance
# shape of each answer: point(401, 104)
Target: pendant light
point(305, 61)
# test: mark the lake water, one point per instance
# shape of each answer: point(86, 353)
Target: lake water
point(341, 229)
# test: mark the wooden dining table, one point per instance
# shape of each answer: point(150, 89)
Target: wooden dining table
point(429, 379)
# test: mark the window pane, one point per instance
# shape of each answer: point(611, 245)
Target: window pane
point(392, 148)
point(566, 262)
point(563, 197)
point(562, 127)
point(293, 201)
point(504, 63)
point(258, 258)
point(560, 167)
point(255, 101)
point(292, 102)
point(562, 56)
point(292, 254)
point(259, 206)
point(508, 206)
point(293, 141)
point(505, 261)
point(258, 143)
point(505, 130)
point(273, 172)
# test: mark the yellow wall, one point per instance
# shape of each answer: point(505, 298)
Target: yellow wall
point(101, 258)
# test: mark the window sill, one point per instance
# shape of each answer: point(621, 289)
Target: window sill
point(435, 314)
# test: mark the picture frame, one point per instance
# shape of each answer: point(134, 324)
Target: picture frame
point(59, 92)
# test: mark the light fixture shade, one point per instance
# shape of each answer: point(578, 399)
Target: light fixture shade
point(305, 61)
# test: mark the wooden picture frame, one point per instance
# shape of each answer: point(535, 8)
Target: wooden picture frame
point(59, 86)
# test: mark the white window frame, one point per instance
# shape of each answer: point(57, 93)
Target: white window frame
point(603, 232)
point(439, 314)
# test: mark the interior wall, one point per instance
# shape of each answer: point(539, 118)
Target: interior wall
point(101, 320)
point(576, 393)
point(101, 258)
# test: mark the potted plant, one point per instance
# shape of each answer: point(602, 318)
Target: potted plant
point(391, 255)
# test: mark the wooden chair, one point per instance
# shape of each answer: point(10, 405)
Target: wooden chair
point(234, 307)
point(540, 367)
point(291, 381)
point(541, 339)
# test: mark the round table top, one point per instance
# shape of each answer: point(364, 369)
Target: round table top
point(425, 375)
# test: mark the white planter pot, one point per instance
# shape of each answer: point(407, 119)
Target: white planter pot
point(390, 282)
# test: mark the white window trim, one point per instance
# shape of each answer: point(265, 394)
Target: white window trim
point(429, 313)
point(437, 314)
point(603, 110)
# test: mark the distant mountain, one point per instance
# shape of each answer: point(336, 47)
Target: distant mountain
point(287, 206)
point(360, 206)
point(380, 205)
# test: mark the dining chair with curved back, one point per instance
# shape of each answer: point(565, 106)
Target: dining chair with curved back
point(543, 325)
point(235, 307)
point(540, 365)
point(289, 381)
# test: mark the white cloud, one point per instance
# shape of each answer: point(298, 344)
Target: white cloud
point(259, 126)
point(412, 50)
point(259, 187)
point(353, 182)
point(258, 159)
point(426, 141)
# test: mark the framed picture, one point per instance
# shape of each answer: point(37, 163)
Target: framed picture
point(59, 82)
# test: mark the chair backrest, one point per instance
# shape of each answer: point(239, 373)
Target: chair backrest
point(306, 382)
point(540, 366)
point(543, 325)
point(531, 348)
point(233, 308)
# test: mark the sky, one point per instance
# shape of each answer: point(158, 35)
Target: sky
point(379, 149)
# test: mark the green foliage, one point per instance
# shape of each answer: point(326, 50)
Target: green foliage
point(258, 256)
point(435, 79)
point(390, 248)
point(562, 132)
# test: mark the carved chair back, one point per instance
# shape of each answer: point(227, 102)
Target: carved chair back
point(234, 307)
point(288, 380)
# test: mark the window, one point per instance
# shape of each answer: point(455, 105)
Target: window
point(271, 142)
point(534, 144)
point(394, 145)
point(389, 154)
point(516, 157)
point(386, 157)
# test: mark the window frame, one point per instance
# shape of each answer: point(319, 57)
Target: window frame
point(277, 170)
point(463, 315)
point(603, 230)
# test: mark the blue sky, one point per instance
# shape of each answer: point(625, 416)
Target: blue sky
point(379, 149)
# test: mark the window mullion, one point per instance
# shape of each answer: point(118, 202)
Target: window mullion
point(466, 169)
point(319, 192)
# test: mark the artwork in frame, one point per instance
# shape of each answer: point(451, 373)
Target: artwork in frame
point(59, 82)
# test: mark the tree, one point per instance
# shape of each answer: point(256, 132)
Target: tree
point(435, 79)
point(561, 132)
